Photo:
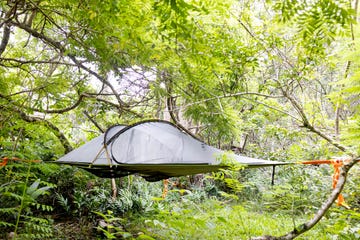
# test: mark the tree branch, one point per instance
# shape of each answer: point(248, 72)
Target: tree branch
point(63, 110)
point(343, 172)
point(323, 209)
point(336, 191)
point(31, 119)
point(170, 105)
point(22, 62)
point(94, 122)
point(310, 127)
point(276, 109)
point(78, 63)
point(5, 38)
point(67, 109)
point(230, 96)
point(103, 80)
point(34, 33)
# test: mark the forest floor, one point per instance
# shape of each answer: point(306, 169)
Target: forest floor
point(209, 220)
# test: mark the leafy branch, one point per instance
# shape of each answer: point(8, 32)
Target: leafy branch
point(32, 119)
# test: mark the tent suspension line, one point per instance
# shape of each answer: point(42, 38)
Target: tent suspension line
point(273, 175)
point(107, 155)
point(97, 155)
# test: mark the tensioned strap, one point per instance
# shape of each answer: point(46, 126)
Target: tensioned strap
point(337, 164)
point(5, 160)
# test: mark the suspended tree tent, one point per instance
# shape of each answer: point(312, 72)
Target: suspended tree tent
point(154, 149)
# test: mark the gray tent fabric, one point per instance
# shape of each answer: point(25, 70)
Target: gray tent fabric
point(155, 149)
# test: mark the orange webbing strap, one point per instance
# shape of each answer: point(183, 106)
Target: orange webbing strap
point(165, 191)
point(337, 163)
point(5, 160)
point(316, 162)
point(335, 177)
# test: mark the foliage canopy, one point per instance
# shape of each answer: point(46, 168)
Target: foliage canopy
point(271, 79)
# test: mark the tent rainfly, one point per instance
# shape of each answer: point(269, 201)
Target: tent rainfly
point(154, 149)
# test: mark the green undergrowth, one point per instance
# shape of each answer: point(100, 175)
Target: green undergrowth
point(215, 220)
point(211, 222)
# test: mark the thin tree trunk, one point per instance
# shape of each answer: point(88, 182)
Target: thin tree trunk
point(113, 189)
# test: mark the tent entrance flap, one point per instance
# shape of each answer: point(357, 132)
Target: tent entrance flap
point(153, 149)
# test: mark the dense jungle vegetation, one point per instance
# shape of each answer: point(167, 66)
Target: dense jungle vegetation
point(277, 80)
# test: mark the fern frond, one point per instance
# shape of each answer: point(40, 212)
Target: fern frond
point(6, 224)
